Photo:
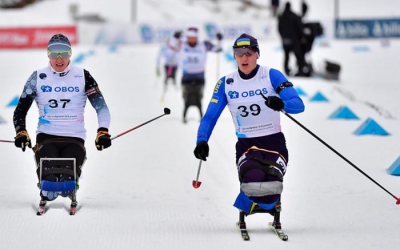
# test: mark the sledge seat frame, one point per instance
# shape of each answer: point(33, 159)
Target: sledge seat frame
point(58, 186)
point(275, 212)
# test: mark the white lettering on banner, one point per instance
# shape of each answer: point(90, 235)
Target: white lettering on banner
point(33, 37)
point(391, 29)
point(42, 36)
point(353, 30)
point(18, 39)
point(386, 29)
point(376, 28)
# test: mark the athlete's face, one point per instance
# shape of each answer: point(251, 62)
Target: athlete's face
point(246, 61)
point(192, 40)
point(59, 61)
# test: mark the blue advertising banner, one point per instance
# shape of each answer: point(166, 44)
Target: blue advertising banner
point(374, 28)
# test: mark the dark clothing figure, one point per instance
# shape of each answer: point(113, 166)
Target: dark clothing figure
point(276, 142)
point(170, 74)
point(192, 95)
point(304, 8)
point(290, 28)
point(274, 7)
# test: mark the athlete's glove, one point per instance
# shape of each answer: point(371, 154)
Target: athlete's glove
point(103, 139)
point(22, 140)
point(275, 103)
point(201, 151)
point(178, 34)
point(219, 36)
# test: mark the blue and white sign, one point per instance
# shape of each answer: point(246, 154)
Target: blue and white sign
point(374, 28)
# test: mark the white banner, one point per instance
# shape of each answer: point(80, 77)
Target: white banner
point(130, 33)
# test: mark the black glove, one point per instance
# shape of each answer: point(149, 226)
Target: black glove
point(219, 36)
point(177, 34)
point(201, 150)
point(22, 140)
point(275, 103)
point(103, 139)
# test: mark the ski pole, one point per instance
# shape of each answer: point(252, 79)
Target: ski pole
point(217, 68)
point(6, 141)
point(341, 156)
point(218, 56)
point(23, 145)
point(167, 111)
point(196, 183)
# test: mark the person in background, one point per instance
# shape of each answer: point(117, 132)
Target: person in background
point(255, 95)
point(304, 8)
point(274, 7)
point(60, 91)
point(193, 57)
point(168, 53)
point(290, 28)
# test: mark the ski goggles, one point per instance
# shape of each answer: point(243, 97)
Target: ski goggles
point(243, 51)
point(57, 54)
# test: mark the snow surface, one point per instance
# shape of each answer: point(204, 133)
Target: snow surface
point(138, 193)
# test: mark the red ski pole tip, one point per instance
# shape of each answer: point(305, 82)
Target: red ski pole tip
point(196, 184)
point(397, 201)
